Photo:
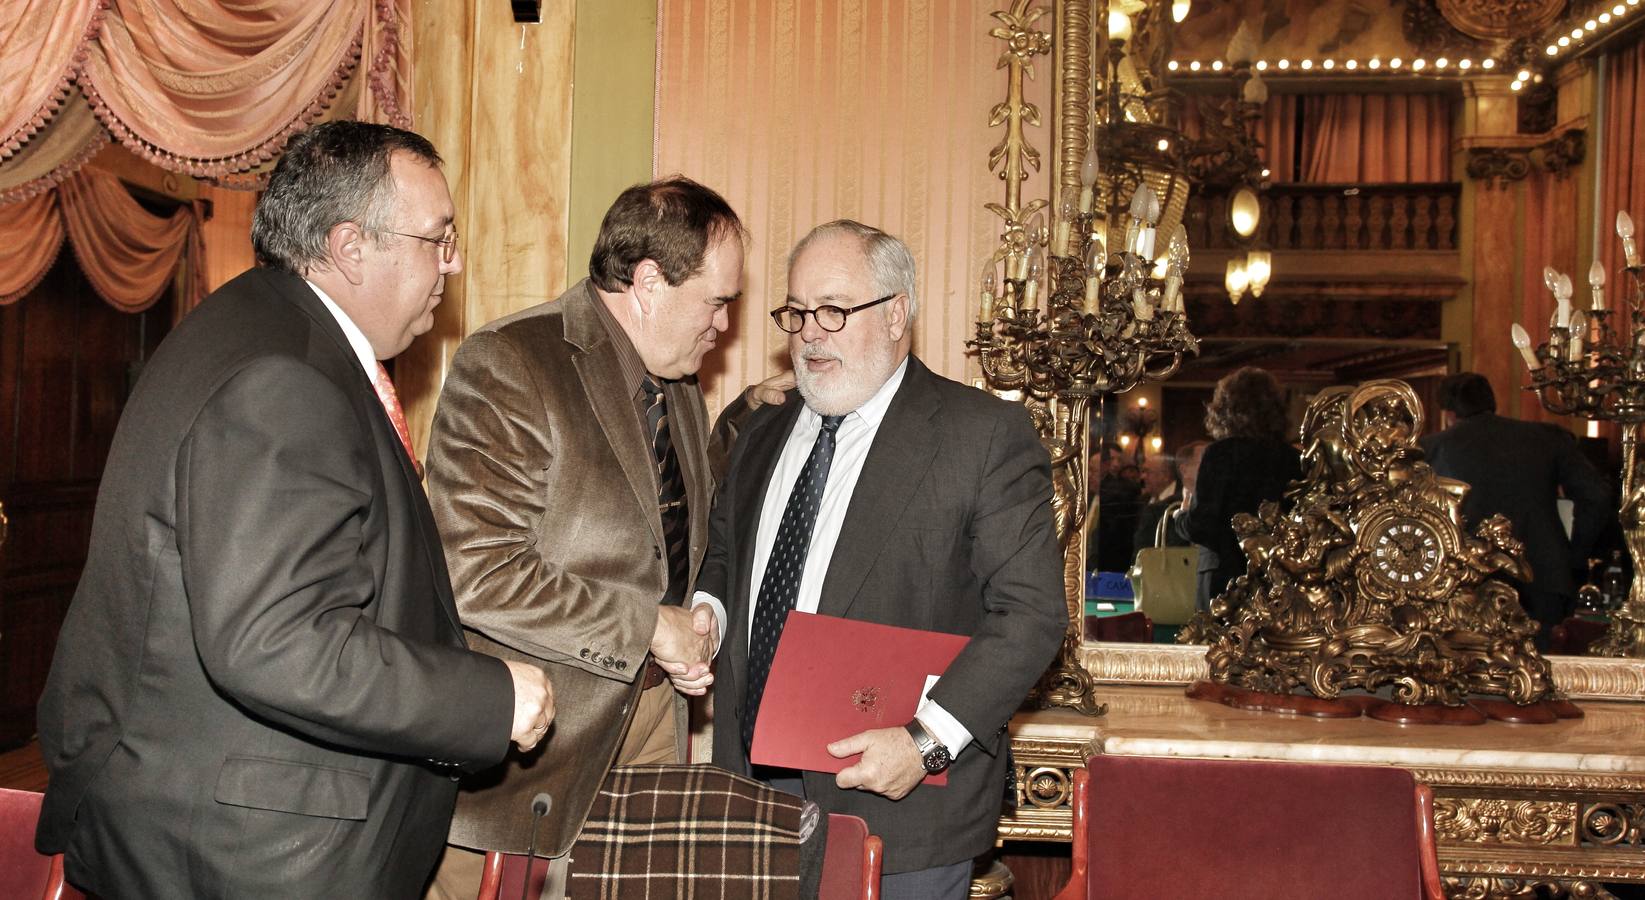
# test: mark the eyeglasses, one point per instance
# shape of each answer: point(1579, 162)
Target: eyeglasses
point(829, 317)
point(447, 242)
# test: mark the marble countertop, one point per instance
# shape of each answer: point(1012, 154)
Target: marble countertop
point(1160, 721)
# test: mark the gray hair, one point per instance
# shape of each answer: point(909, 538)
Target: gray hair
point(332, 173)
point(888, 258)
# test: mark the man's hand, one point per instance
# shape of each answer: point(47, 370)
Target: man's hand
point(693, 679)
point(771, 391)
point(533, 704)
point(890, 764)
point(676, 643)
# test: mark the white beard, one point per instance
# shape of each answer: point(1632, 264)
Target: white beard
point(848, 386)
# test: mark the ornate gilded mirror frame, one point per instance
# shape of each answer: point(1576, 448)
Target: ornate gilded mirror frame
point(1076, 46)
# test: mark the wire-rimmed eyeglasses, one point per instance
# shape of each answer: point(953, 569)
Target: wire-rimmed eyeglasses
point(829, 317)
point(446, 242)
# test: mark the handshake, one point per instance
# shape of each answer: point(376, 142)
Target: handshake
point(683, 645)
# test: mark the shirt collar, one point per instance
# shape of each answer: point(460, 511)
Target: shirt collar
point(356, 337)
point(628, 359)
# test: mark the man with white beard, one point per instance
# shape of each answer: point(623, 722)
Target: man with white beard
point(890, 495)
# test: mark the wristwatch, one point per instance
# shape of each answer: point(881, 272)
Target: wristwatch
point(932, 753)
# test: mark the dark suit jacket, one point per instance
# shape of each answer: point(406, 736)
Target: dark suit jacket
point(1516, 468)
point(263, 653)
point(1235, 476)
point(949, 529)
point(542, 480)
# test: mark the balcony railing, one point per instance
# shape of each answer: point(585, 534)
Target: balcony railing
point(1353, 218)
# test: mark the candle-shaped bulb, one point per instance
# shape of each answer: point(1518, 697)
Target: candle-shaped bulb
point(986, 308)
point(1522, 342)
point(1625, 230)
point(1088, 168)
point(988, 280)
point(1550, 279)
point(1139, 201)
point(1564, 288)
point(1255, 91)
point(1036, 229)
point(1579, 333)
point(1596, 284)
point(1119, 26)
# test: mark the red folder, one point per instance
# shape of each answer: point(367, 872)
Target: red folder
point(832, 678)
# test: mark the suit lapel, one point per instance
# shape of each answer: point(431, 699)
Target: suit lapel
point(686, 418)
point(903, 450)
point(764, 444)
point(598, 368)
point(335, 344)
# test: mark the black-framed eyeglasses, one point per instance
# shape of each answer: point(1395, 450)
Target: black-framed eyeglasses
point(829, 317)
point(446, 242)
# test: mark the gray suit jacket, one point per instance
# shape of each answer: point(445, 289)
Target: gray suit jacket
point(262, 657)
point(949, 529)
point(542, 480)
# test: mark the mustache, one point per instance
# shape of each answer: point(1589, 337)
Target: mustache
point(817, 351)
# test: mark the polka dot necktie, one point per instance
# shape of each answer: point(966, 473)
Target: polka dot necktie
point(780, 586)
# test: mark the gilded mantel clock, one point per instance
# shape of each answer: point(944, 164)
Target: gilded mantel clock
point(1363, 592)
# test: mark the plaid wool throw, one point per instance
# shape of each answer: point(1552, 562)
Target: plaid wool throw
point(691, 832)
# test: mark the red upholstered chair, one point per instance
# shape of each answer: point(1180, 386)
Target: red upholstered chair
point(1247, 829)
point(851, 861)
point(850, 871)
point(25, 874)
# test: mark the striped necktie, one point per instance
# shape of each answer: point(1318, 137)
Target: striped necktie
point(780, 586)
point(670, 493)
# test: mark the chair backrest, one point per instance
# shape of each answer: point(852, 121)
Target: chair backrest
point(851, 861)
point(1181, 827)
point(1131, 627)
point(25, 873)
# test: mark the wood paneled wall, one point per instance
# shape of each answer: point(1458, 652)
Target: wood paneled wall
point(67, 360)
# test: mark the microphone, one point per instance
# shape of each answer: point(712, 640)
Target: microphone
point(540, 806)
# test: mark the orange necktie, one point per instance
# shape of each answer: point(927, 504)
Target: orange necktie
point(396, 415)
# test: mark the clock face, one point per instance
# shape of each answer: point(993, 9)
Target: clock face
point(1405, 553)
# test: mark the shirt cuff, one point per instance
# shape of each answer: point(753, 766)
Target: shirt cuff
point(945, 728)
point(702, 598)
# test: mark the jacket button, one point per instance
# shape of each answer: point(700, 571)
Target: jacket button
point(657, 551)
point(622, 665)
point(584, 654)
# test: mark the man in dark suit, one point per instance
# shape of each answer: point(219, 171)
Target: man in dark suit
point(1518, 469)
point(896, 496)
point(569, 474)
point(1161, 490)
point(261, 688)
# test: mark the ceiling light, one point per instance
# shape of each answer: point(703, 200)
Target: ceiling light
point(1329, 64)
point(1465, 64)
point(1590, 25)
point(1524, 75)
point(1394, 63)
point(1262, 65)
point(1441, 63)
point(1375, 63)
point(1172, 65)
point(1350, 65)
point(1576, 33)
point(1564, 41)
point(1516, 85)
point(1488, 64)
point(1307, 64)
point(1216, 65)
point(1163, 145)
point(1605, 18)
point(1194, 66)
point(1552, 50)
point(1419, 64)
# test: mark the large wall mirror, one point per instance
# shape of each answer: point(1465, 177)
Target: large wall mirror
point(1370, 328)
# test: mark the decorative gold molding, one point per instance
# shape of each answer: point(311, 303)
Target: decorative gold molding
point(1043, 769)
point(1073, 93)
point(1578, 677)
point(1510, 780)
point(1512, 822)
point(1522, 889)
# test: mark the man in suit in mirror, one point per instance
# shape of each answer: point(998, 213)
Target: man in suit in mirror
point(1519, 469)
point(886, 493)
point(261, 688)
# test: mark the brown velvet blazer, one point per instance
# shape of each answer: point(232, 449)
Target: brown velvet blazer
point(542, 482)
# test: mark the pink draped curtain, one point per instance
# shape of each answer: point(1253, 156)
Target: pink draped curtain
point(129, 255)
point(209, 89)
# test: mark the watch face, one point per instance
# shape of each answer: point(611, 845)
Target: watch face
point(936, 759)
point(1405, 552)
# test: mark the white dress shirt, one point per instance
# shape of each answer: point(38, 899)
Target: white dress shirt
point(356, 337)
point(851, 445)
